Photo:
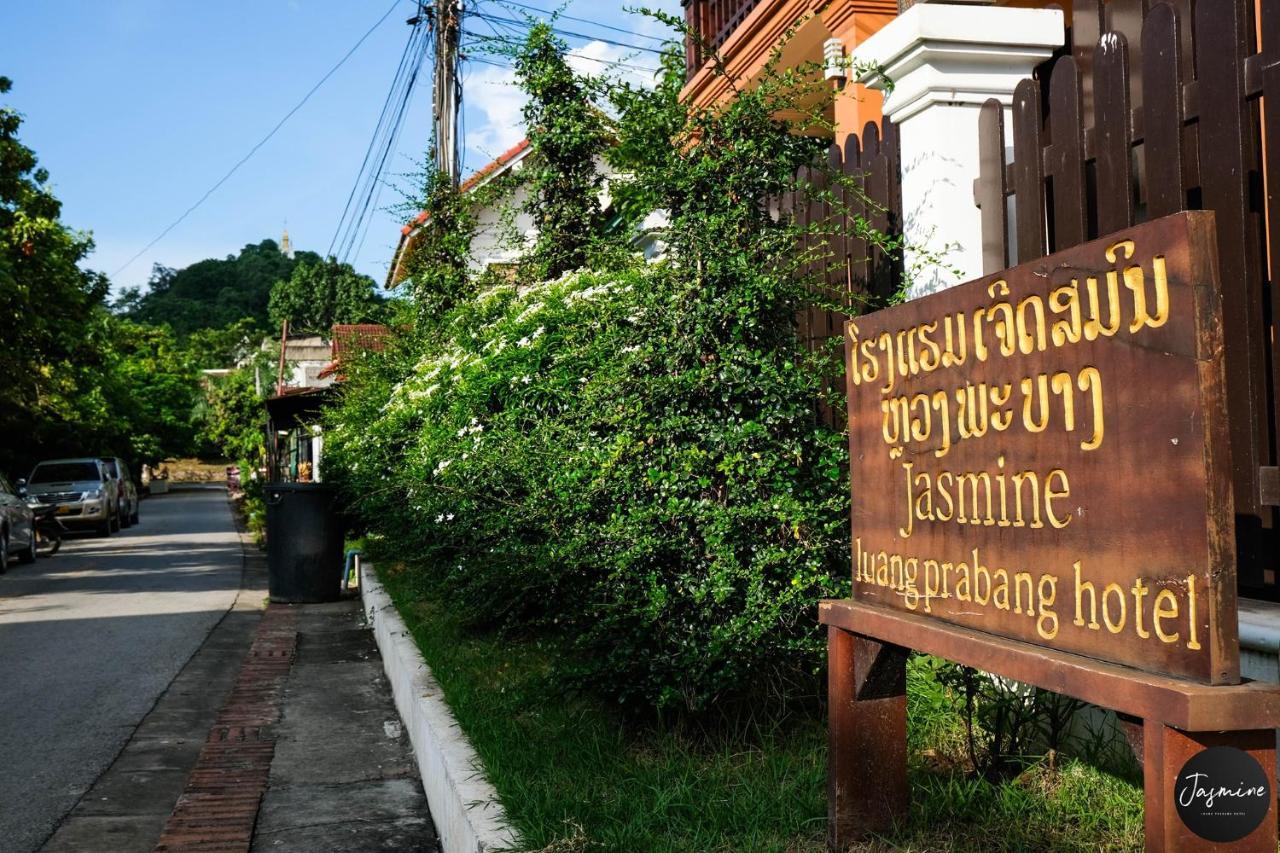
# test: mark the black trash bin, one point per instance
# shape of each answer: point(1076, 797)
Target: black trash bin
point(304, 543)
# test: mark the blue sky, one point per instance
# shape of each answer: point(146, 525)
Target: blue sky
point(137, 107)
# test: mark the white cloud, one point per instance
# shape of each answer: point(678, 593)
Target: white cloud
point(493, 101)
point(493, 93)
point(597, 57)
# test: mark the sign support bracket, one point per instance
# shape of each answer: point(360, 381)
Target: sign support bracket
point(867, 783)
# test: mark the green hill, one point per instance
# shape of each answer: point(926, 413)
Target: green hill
point(214, 293)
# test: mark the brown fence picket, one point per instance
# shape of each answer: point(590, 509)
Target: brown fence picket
point(1066, 166)
point(891, 145)
point(882, 280)
point(1220, 48)
point(838, 229)
point(1112, 132)
point(1125, 17)
point(1162, 112)
point(991, 189)
point(1028, 172)
point(855, 244)
point(818, 260)
point(1086, 29)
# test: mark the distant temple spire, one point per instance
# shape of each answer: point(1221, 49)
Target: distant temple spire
point(286, 247)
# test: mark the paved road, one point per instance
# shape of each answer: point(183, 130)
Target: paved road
point(90, 638)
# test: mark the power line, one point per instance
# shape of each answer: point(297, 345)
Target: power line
point(658, 39)
point(510, 40)
point(261, 142)
point(489, 62)
point(385, 141)
point(378, 130)
point(415, 48)
point(571, 33)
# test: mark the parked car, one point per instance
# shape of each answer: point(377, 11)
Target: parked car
point(85, 494)
point(17, 526)
point(126, 490)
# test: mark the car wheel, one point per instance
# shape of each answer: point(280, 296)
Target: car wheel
point(115, 520)
point(27, 555)
point(4, 550)
point(133, 519)
point(105, 528)
point(125, 519)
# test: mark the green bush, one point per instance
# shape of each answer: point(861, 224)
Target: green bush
point(629, 457)
point(563, 462)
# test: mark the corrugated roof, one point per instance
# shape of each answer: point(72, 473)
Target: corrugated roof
point(349, 338)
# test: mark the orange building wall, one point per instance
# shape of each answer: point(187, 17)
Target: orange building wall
point(746, 52)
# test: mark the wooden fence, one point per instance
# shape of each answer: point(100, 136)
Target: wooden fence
point(1158, 106)
point(848, 270)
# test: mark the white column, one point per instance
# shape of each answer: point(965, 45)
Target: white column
point(944, 62)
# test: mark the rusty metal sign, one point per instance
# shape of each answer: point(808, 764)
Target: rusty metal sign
point(1042, 454)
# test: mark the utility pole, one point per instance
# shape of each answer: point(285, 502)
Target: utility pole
point(448, 15)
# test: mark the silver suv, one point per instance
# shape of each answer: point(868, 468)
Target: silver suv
point(83, 491)
point(126, 491)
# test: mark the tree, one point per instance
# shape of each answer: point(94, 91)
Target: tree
point(437, 263)
point(318, 295)
point(214, 293)
point(235, 418)
point(226, 346)
point(567, 135)
point(152, 389)
point(48, 305)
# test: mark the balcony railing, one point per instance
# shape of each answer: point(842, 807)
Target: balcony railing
point(710, 24)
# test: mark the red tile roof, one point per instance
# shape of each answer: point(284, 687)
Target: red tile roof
point(477, 178)
point(355, 337)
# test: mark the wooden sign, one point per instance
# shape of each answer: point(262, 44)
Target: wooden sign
point(1042, 454)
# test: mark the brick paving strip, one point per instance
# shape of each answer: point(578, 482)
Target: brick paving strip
point(219, 806)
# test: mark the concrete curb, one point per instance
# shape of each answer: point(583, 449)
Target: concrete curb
point(464, 806)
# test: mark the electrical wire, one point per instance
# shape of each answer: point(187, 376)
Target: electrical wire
point(373, 183)
point(397, 84)
point(570, 33)
point(384, 137)
point(514, 41)
point(260, 143)
point(658, 39)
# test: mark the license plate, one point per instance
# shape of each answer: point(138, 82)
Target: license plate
point(66, 510)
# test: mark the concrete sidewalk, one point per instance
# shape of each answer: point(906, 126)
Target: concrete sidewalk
point(279, 735)
point(343, 777)
point(308, 752)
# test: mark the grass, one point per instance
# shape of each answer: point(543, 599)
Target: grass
point(574, 775)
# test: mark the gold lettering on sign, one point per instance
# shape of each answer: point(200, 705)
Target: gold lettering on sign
point(1074, 312)
point(992, 403)
point(931, 583)
point(941, 419)
point(996, 498)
